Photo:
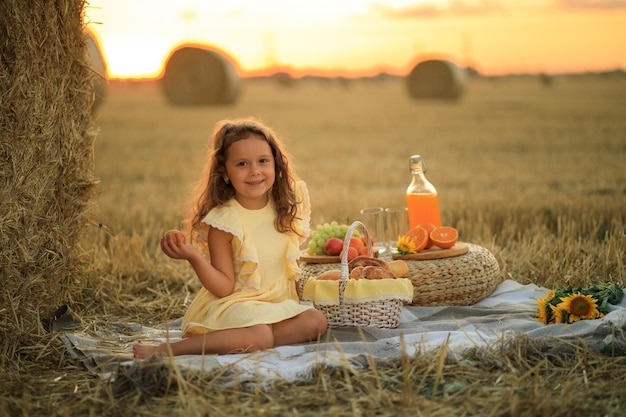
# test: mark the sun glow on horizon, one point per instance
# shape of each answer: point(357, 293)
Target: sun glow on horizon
point(359, 37)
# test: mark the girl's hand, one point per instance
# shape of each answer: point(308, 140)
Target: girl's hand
point(174, 244)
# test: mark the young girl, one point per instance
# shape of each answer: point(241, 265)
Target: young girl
point(249, 218)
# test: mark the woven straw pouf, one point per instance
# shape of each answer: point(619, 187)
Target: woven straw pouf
point(456, 281)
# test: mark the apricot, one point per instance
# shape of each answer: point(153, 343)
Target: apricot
point(333, 246)
point(177, 236)
point(356, 243)
point(364, 240)
point(352, 253)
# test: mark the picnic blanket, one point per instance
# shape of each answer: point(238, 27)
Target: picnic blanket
point(508, 312)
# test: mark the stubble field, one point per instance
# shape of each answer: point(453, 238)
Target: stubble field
point(535, 174)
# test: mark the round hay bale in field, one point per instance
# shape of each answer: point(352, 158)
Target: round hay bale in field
point(196, 76)
point(436, 79)
point(46, 161)
point(98, 65)
point(283, 78)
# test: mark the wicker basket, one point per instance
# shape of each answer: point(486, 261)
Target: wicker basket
point(383, 311)
point(456, 281)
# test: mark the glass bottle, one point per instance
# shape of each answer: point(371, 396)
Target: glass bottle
point(421, 196)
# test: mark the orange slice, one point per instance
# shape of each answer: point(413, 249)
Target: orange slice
point(429, 228)
point(445, 237)
point(419, 236)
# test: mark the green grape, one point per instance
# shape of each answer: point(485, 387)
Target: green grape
point(325, 231)
point(312, 249)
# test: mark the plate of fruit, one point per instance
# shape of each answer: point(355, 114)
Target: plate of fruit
point(327, 241)
point(426, 242)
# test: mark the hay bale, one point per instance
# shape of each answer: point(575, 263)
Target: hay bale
point(98, 65)
point(436, 79)
point(546, 80)
point(46, 159)
point(284, 79)
point(199, 76)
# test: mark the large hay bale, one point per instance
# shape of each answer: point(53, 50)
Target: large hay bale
point(436, 79)
point(46, 159)
point(200, 76)
point(98, 65)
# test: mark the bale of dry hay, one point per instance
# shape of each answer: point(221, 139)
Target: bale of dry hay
point(100, 86)
point(46, 159)
point(199, 76)
point(436, 79)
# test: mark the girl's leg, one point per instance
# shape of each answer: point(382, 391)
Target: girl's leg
point(305, 327)
point(248, 339)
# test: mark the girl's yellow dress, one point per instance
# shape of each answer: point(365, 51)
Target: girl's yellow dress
point(266, 269)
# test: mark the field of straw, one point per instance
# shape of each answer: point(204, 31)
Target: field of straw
point(535, 174)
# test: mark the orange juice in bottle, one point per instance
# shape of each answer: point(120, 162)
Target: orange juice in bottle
point(421, 196)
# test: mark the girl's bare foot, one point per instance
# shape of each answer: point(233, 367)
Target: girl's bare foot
point(142, 351)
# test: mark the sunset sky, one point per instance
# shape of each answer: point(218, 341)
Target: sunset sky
point(361, 37)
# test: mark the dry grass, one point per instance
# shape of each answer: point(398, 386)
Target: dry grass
point(534, 174)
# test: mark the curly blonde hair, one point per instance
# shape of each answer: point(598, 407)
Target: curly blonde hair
point(212, 191)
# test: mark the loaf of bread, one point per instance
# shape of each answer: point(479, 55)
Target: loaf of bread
point(362, 260)
point(365, 267)
point(377, 272)
point(398, 268)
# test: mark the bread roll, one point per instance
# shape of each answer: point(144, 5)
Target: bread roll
point(357, 272)
point(399, 267)
point(330, 275)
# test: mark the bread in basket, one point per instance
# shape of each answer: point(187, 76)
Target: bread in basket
point(373, 300)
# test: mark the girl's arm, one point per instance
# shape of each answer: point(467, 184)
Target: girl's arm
point(217, 276)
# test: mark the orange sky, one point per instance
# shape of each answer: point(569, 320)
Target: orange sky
point(365, 37)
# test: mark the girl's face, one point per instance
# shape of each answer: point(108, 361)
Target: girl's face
point(250, 169)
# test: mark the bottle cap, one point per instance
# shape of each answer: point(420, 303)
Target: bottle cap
point(416, 164)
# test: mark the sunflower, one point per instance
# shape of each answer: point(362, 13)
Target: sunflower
point(542, 307)
point(571, 304)
point(558, 314)
point(406, 245)
point(579, 307)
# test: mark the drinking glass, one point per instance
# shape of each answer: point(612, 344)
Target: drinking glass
point(396, 224)
point(374, 220)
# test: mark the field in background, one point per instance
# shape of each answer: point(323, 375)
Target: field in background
point(536, 174)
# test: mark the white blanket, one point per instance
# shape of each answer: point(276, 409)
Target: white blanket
point(508, 312)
